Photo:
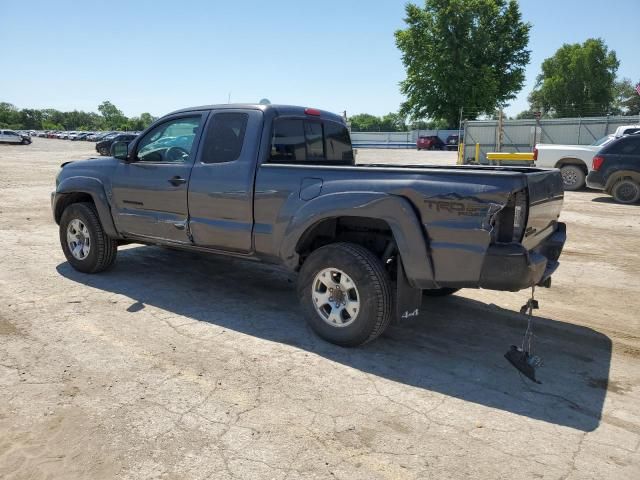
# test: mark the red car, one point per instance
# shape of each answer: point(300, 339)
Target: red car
point(430, 142)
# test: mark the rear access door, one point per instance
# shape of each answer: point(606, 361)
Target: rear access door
point(150, 194)
point(221, 186)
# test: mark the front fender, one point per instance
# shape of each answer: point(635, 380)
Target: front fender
point(396, 211)
point(92, 187)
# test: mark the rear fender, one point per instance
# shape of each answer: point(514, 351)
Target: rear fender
point(396, 211)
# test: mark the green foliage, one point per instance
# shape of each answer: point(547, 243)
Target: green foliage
point(391, 122)
point(462, 53)
point(110, 118)
point(626, 100)
point(577, 81)
point(526, 114)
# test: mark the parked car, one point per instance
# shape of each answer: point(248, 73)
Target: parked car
point(11, 136)
point(78, 136)
point(430, 142)
point(103, 147)
point(452, 142)
point(278, 184)
point(616, 169)
point(574, 161)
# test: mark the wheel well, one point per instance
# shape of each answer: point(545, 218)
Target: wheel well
point(573, 161)
point(616, 177)
point(69, 198)
point(372, 233)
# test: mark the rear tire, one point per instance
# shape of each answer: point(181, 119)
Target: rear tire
point(573, 177)
point(369, 292)
point(440, 292)
point(626, 191)
point(85, 244)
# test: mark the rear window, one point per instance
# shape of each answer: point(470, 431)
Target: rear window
point(297, 140)
point(224, 138)
point(624, 146)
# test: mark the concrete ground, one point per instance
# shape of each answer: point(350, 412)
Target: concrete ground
point(174, 365)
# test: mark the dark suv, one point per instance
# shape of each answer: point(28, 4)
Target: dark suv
point(103, 147)
point(616, 169)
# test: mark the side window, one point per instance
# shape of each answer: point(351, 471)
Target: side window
point(625, 146)
point(224, 138)
point(338, 143)
point(288, 143)
point(170, 141)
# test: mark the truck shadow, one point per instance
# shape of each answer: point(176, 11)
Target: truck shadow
point(455, 347)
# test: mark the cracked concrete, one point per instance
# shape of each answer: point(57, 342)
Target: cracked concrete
point(175, 365)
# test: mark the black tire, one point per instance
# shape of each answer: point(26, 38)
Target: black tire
point(104, 151)
point(102, 250)
point(440, 292)
point(25, 141)
point(626, 191)
point(573, 177)
point(373, 290)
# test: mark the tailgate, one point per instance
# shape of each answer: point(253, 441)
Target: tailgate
point(546, 195)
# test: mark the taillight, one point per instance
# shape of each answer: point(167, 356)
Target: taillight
point(535, 153)
point(312, 111)
point(597, 162)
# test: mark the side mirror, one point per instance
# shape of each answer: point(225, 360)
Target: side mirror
point(120, 150)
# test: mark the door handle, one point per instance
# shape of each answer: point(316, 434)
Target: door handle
point(177, 181)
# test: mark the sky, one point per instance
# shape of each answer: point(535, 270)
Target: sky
point(159, 56)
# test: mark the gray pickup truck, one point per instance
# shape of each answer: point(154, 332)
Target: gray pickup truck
point(279, 184)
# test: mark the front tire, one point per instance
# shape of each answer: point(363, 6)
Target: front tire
point(573, 177)
point(345, 294)
point(626, 191)
point(85, 244)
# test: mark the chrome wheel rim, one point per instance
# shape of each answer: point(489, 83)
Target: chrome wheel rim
point(78, 239)
point(335, 297)
point(569, 177)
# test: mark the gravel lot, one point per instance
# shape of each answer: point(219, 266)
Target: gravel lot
point(174, 365)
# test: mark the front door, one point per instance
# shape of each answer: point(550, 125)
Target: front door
point(150, 193)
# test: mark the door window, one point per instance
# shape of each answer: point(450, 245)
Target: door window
point(225, 136)
point(169, 142)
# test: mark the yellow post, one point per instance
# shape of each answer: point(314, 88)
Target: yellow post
point(460, 154)
point(477, 153)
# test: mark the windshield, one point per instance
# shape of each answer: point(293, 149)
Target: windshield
point(602, 141)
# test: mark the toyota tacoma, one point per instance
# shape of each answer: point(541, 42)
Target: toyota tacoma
point(279, 184)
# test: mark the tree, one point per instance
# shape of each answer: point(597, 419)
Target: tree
point(626, 99)
point(9, 115)
point(577, 81)
point(113, 117)
point(391, 122)
point(462, 54)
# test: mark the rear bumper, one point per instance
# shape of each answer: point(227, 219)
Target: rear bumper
point(596, 180)
point(511, 267)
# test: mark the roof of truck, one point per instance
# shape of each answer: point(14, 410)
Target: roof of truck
point(277, 109)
